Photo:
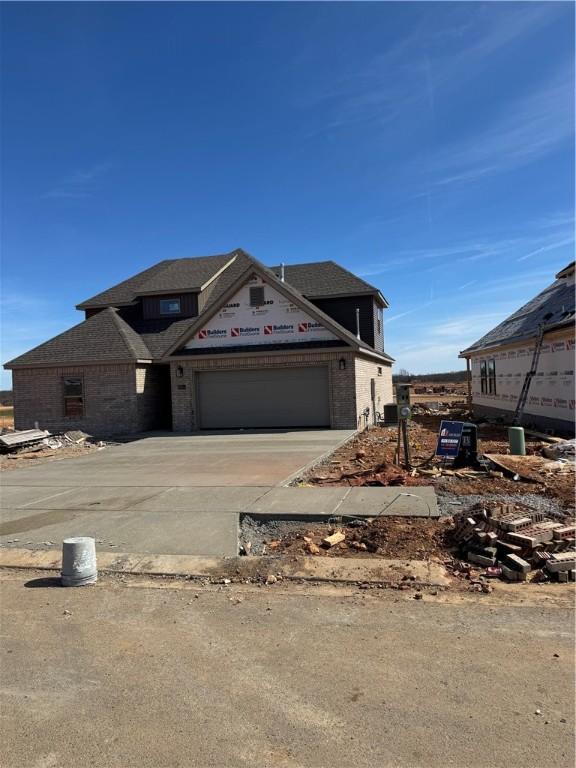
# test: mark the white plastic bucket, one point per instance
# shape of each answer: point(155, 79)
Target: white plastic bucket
point(79, 561)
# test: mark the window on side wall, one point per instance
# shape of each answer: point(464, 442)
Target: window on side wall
point(492, 377)
point(169, 306)
point(73, 391)
point(483, 377)
point(379, 322)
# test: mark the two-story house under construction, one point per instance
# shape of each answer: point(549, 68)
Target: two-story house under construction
point(217, 342)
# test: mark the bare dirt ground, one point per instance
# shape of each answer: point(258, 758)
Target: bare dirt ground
point(454, 393)
point(392, 537)
point(6, 417)
point(370, 460)
point(160, 674)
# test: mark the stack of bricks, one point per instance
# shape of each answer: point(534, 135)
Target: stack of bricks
point(518, 542)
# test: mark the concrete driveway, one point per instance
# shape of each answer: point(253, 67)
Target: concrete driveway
point(160, 495)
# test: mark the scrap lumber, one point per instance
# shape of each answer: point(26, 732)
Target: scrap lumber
point(514, 465)
point(11, 441)
point(544, 437)
point(333, 539)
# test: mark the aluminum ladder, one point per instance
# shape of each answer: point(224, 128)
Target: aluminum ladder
point(521, 404)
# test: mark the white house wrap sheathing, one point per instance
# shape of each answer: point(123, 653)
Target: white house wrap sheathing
point(276, 321)
point(551, 392)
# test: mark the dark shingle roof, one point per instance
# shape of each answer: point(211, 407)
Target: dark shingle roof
point(229, 281)
point(552, 307)
point(108, 336)
point(105, 336)
point(322, 279)
point(169, 275)
point(160, 335)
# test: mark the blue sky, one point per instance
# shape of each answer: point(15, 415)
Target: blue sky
point(426, 146)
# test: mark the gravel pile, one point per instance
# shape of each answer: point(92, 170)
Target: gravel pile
point(537, 503)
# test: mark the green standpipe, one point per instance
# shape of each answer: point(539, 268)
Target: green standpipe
point(516, 441)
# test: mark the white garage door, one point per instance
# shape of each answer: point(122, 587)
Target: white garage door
point(272, 397)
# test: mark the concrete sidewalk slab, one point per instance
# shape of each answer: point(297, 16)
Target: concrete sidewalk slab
point(329, 569)
point(415, 501)
point(405, 501)
point(298, 501)
point(175, 532)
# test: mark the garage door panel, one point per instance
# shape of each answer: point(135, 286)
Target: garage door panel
point(267, 398)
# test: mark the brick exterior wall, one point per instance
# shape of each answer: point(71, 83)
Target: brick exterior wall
point(110, 399)
point(123, 399)
point(349, 389)
point(366, 370)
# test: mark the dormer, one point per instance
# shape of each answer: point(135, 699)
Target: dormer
point(170, 290)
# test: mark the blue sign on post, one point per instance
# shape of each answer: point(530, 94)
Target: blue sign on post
point(449, 437)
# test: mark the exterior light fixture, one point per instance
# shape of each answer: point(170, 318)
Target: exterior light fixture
point(179, 372)
point(342, 364)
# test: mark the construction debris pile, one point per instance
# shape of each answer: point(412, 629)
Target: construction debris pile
point(370, 460)
point(440, 408)
point(17, 447)
point(518, 545)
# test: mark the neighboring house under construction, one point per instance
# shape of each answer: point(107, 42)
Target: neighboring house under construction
point(533, 349)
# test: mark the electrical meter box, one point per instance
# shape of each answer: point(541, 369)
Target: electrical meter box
point(403, 394)
point(403, 401)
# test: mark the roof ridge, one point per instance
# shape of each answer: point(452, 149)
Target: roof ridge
point(123, 328)
point(361, 279)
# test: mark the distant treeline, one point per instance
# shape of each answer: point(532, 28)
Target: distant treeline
point(6, 397)
point(452, 377)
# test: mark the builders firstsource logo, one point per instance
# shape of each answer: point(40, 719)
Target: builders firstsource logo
point(271, 330)
point(242, 332)
point(216, 333)
point(309, 327)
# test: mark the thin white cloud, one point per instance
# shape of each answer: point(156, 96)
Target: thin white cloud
point(546, 248)
point(417, 308)
point(540, 236)
point(437, 53)
point(78, 185)
point(532, 127)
